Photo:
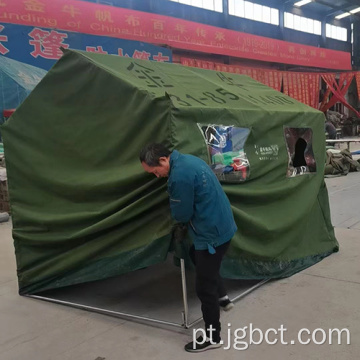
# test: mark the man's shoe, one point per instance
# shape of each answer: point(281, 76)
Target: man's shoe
point(200, 345)
point(226, 304)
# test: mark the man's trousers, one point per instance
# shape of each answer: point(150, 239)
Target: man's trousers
point(209, 286)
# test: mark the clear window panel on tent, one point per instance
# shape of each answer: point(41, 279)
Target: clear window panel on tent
point(300, 151)
point(226, 154)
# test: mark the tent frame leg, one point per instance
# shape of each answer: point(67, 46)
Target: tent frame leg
point(185, 313)
point(236, 298)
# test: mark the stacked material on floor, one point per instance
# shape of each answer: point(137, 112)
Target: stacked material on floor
point(340, 162)
point(4, 196)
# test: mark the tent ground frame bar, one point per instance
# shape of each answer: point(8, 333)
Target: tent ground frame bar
point(185, 313)
point(236, 298)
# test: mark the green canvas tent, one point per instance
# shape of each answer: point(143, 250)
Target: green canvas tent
point(83, 208)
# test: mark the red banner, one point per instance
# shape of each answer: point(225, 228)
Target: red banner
point(303, 87)
point(357, 75)
point(338, 90)
point(272, 78)
point(331, 78)
point(290, 87)
point(95, 19)
point(314, 86)
point(204, 64)
point(188, 62)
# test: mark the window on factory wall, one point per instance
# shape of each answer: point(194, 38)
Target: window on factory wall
point(215, 5)
point(336, 32)
point(251, 11)
point(301, 23)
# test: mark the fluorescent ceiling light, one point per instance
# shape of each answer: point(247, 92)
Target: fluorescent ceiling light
point(302, 2)
point(342, 15)
point(355, 10)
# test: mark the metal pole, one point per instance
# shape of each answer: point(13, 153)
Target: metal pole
point(236, 298)
point(262, 282)
point(184, 290)
point(195, 322)
point(103, 311)
point(185, 325)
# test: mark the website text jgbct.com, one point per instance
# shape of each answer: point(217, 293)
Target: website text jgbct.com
point(242, 338)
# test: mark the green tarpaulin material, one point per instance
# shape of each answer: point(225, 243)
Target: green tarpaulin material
point(83, 208)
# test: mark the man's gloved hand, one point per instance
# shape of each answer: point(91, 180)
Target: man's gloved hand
point(178, 232)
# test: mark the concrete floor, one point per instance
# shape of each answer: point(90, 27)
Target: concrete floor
point(324, 296)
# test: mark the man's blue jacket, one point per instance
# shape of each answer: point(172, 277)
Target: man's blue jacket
point(197, 198)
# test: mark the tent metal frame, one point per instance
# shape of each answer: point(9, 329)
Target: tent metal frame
point(185, 313)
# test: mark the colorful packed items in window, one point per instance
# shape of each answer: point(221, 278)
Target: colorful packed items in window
point(227, 157)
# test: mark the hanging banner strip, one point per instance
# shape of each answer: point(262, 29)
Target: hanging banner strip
point(272, 78)
point(357, 75)
point(303, 87)
point(96, 19)
point(314, 86)
point(339, 91)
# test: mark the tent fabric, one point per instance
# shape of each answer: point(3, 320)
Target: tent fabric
point(84, 209)
point(17, 80)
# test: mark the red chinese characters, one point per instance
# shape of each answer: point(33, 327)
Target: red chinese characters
point(3, 38)
point(160, 57)
point(143, 55)
point(47, 43)
point(97, 49)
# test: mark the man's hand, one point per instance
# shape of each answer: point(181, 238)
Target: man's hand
point(178, 232)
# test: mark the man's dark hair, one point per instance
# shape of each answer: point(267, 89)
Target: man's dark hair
point(151, 154)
